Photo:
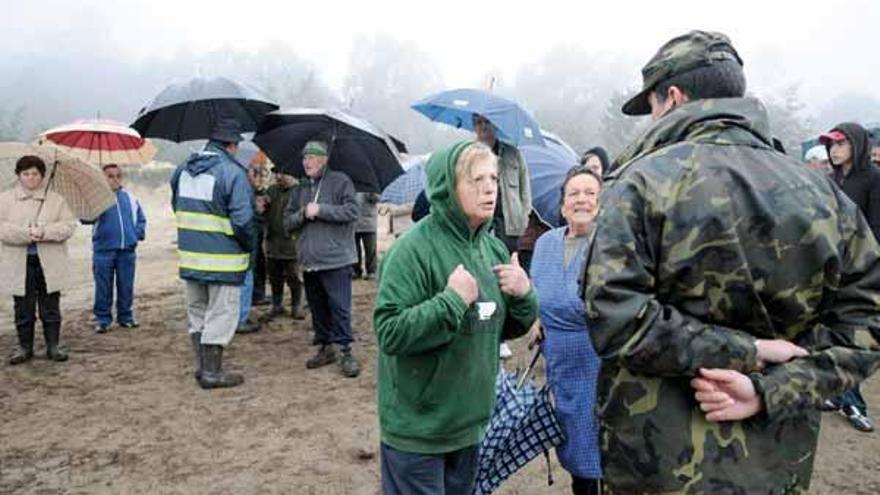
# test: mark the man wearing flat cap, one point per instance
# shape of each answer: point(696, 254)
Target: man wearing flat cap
point(213, 203)
point(729, 291)
point(322, 210)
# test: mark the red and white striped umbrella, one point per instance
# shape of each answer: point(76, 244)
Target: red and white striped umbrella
point(101, 142)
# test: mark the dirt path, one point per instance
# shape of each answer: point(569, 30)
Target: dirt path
point(124, 415)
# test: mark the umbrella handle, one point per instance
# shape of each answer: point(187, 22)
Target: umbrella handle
point(46, 190)
point(529, 369)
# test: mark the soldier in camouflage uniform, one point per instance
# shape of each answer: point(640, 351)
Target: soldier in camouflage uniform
point(729, 290)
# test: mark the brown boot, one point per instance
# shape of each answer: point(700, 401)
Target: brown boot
point(326, 355)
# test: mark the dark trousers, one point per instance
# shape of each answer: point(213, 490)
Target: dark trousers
point(367, 260)
point(283, 271)
point(260, 271)
point(329, 296)
point(406, 473)
point(852, 397)
point(586, 486)
point(108, 266)
point(35, 297)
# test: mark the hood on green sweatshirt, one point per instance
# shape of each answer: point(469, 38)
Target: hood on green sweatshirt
point(441, 190)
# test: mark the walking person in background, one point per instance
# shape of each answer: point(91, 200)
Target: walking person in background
point(848, 146)
point(448, 291)
point(322, 211)
point(365, 235)
point(572, 363)
point(514, 201)
point(282, 259)
point(115, 236)
point(214, 206)
point(35, 224)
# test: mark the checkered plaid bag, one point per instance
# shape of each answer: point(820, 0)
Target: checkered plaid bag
point(523, 426)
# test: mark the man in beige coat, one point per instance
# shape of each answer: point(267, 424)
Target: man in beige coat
point(33, 256)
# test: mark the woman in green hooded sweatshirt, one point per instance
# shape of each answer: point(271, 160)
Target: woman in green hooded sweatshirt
point(448, 292)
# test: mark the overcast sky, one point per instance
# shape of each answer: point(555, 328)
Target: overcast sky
point(830, 47)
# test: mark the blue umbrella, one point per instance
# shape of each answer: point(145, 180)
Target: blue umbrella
point(405, 188)
point(547, 168)
point(456, 107)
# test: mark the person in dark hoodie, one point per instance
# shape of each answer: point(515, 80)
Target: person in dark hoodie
point(597, 160)
point(849, 149)
point(448, 290)
point(213, 203)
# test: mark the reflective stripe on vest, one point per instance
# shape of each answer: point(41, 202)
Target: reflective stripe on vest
point(210, 262)
point(203, 222)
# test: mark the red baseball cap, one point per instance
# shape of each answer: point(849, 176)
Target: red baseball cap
point(832, 136)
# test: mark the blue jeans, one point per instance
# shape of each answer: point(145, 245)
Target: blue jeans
point(118, 264)
point(329, 295)
point(247, 293)
point(406, 473)
point(852, 397)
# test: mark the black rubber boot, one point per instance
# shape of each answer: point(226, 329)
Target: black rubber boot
point(296, 310)
point(52, 334)
point(196, 341)
point(213, 374)
point(25, 349)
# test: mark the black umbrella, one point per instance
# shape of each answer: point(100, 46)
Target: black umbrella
point(358, 148)
point(188, 110)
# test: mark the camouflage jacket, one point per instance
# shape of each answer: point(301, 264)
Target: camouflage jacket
point(707, 240)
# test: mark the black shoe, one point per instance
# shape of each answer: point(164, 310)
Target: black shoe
point(21, 355)
point(276, 311)
point(349, 366)
point(129, 324)
point(213, 374)
point(856, 419)
point(196, 341)
point(249, 326)
point(52, 334)
point(99, 328)
point(263, 301)
point(326, 355)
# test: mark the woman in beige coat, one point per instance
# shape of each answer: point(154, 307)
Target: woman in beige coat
point(33, 254)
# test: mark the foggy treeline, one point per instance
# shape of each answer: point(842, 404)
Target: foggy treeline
point(572, 92)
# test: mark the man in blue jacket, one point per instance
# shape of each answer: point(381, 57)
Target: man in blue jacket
point(115, 236)
point(213, 203)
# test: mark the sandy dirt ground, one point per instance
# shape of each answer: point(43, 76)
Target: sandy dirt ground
point(124, 415)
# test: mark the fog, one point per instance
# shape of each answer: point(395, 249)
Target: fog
point(570, 65)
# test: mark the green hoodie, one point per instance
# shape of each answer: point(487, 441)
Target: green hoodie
point(438, 358)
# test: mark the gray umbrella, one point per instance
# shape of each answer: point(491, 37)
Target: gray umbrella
point(188, 110)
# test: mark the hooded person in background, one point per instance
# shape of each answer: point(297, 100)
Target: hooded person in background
point(281, 253)
point(214, 206)
point(875, 150)
point(596, 159)
point(848, 146)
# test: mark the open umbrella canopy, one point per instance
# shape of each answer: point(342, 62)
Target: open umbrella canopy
point(456, 107)
point(185, 111)
point(405, 188)
point(547, 168)
point(100, 142)
point(83, 186)
point(356, 147)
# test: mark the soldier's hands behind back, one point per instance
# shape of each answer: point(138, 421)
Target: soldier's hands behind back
point(726, 395)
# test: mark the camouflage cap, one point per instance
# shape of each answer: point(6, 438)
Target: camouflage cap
point(681, 54)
